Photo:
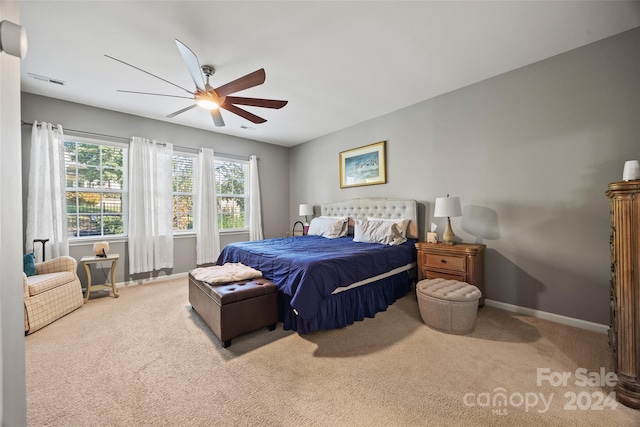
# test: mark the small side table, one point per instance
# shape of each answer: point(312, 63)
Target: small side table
point(88, 260)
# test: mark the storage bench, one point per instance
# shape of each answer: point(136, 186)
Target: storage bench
point(448, 306)
point(233, 309)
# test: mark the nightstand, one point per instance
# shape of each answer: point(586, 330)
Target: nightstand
point(463, 262)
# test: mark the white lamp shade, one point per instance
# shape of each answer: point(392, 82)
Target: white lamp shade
point(631, 170)
point(100, 248)
point(306, 209)
point(447, 207)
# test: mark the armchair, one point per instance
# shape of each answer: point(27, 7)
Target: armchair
point(52, 293)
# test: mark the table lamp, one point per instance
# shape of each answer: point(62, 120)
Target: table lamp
point(447, 207)
point(305, 210)
point(100, 249)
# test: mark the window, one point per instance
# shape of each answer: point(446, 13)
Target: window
point(96, 182)
point(96, 189)
point(232, 194)
point(183, 169)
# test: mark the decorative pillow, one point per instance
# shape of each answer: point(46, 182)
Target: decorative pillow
point(344, 219)
point(402, 223)
point(326, 227)
point(29, 264)
point(378, 231)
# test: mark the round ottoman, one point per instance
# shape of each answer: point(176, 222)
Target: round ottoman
point(448, 305)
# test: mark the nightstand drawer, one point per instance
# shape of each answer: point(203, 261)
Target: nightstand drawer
point(447, 262)
point(430, 274)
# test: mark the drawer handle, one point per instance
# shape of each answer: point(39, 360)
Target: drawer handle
point(444, 261)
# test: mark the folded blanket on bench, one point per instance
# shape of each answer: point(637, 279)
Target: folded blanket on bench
point(226, 273)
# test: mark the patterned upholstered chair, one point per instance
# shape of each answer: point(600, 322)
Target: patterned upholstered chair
point(52, 293)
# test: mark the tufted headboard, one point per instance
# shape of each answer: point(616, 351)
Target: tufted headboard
point(376, 208)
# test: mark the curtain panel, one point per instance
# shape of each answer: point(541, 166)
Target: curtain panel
point(205, 218)
point(46, 195)
point(150, 205)
point(255, 212)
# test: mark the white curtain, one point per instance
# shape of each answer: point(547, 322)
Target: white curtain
point(255, 213)
point(205, 217)
point(46, 199)
point(150, 205)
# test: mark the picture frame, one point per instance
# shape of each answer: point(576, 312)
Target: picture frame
point(364, 165)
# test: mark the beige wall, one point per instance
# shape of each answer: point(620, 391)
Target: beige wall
point(13, 400)
point(530, 154)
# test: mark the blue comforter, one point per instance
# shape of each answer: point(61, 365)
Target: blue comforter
point(310, 268)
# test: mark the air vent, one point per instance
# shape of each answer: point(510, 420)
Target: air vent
point(47, 79)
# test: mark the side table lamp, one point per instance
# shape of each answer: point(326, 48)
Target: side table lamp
point(447, 207)
point(100, 249)
point(305, 210)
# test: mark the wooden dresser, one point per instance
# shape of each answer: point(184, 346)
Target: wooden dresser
point(462, 261)
point(624, 331)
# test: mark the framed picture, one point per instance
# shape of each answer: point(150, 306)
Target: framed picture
point(363, 166)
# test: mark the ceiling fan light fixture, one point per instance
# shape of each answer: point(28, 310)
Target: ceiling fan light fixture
point(207, 103)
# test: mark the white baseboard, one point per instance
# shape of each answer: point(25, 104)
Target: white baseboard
point(583, 324)
point(153, 279)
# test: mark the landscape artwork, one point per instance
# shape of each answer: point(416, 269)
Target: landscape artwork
point(363, 166)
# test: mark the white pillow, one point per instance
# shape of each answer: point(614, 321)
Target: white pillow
point(402, 223)
point(344, 219)
point(326, 227)
point(378, 231)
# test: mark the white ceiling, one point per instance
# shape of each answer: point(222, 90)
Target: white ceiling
point(337, 63)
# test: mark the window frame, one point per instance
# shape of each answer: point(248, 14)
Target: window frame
point(245, 196)
point(123, 191)
point(178, 232)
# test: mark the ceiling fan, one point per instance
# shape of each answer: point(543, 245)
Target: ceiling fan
point(211, 98)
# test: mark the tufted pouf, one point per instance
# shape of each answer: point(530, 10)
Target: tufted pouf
point(233, 309)
point(448, 305)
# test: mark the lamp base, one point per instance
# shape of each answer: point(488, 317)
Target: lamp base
point(448, 238)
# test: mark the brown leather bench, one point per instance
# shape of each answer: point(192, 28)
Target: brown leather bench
point(234, 309)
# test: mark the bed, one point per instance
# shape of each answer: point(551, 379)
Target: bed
point(328, 283)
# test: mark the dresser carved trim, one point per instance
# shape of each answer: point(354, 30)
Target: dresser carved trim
point(624, 331)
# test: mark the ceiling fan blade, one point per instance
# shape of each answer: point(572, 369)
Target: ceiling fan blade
point(256, 102)
point(182, 111)
point(153, 75)
point(217, 117)
point(243, 113)
point(191, 60)
point(157, 94)
point(250, 80)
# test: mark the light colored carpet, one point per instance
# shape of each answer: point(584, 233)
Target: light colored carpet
point(147, 359)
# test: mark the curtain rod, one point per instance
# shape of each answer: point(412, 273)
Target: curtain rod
point(83, 132)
